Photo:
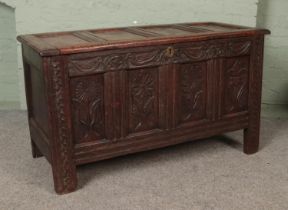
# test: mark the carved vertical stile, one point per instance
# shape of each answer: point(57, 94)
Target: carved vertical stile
point(173, 105)
point(220, 89)
point(118, 101)
point(211, 86)
point(114, 100)
point(64, 170)
point(123, 97)
point(165, 96)
point(108, 105)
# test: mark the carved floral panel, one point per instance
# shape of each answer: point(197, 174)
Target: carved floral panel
point(192, 92)
point(235, 87)
point(88, 108)
point(143, 99)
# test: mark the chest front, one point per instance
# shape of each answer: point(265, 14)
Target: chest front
point(98, 94)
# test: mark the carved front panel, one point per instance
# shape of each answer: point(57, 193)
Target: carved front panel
point(143, 100)
point(192, 91)
point(88, 108)
point(235, 77)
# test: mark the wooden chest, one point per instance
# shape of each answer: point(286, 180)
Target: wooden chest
point(97, 94)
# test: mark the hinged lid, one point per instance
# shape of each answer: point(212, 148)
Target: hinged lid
point(49, 44)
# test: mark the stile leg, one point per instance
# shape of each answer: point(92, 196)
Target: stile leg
point(62, 148)
point(251, 140)
point(65, 180)
point(252, 133)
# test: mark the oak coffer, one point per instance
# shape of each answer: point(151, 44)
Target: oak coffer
point(97, 94)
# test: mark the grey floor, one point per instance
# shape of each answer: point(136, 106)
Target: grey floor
point(205, 175)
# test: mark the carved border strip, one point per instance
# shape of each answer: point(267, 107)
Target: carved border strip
point(85, 64)
point(62, 144)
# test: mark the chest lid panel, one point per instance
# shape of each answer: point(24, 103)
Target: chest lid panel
point(60, 43)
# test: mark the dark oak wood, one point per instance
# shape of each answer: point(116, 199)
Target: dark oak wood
point(98, 94)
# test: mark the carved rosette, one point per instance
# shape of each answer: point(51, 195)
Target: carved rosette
point(143, 110)
point(62, 142)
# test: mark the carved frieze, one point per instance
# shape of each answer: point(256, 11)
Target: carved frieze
point(190, 52)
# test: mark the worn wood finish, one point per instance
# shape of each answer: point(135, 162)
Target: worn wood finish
point(98, 94)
